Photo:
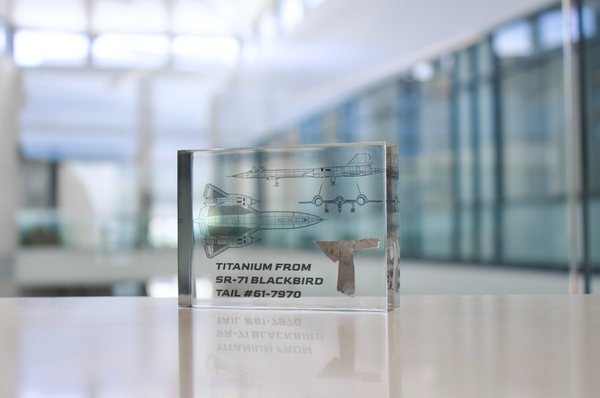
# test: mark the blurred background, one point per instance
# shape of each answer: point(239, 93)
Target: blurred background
point(495, 106)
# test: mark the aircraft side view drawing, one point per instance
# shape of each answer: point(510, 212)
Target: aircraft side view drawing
point(229, 220)
point(360, 200)
point(360, 165)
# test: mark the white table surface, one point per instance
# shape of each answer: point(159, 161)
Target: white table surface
point(433, 346)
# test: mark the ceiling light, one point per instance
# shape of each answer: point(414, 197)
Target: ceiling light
point(115, 50)
point(192, 52)
point(34, 47)
point(291, 14)
point(423, 71)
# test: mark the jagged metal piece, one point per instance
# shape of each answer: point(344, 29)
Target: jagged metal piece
point(343, 252)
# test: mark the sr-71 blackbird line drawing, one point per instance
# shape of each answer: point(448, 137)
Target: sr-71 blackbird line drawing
point(360, 200)
point(360, 165)
point(229, 220)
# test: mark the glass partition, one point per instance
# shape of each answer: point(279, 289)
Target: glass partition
point(481, 133)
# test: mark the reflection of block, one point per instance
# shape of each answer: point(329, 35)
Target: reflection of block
point(230, 381)
point(215, 368)
point(343, 251)
point(344, 366)
point(246, 229)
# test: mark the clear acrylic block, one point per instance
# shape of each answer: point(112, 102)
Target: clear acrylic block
point(298, 227)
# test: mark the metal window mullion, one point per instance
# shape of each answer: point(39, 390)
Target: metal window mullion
point(476, 207)
point(456, 177)
point(498, 135)
point(578, 262)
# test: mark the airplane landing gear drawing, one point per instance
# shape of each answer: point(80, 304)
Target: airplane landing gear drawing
point(361, 200)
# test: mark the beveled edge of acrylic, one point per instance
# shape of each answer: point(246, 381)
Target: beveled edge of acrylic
point(290, 309)
point(185, 286)
point(286, 147)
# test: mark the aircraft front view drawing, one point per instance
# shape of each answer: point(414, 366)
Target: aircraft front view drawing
point(360, 165)
point(229, 220)
point(360, 200)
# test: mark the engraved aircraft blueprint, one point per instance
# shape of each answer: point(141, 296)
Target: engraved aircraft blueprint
point(360, 200)
point(229, 220)
point(360, 165)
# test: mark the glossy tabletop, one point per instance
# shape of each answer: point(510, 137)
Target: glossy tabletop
point(433, 346)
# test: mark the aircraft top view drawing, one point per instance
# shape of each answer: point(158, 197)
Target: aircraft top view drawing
point(229, 220)
point(360, 165)
point(360, 200)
